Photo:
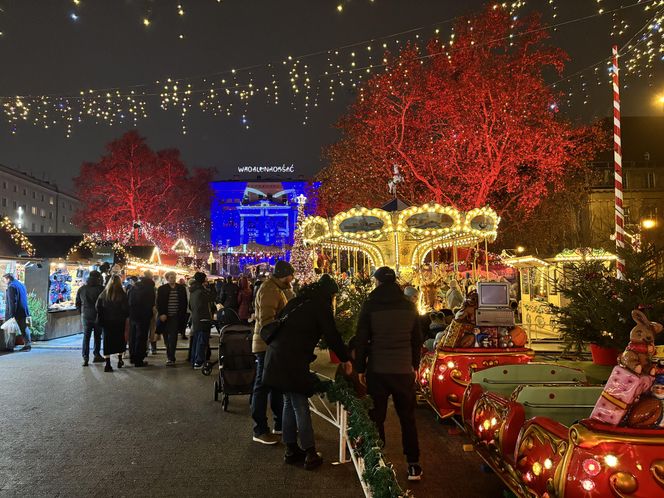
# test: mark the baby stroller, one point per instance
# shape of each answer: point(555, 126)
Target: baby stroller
point(237, 364)
point(226, 316)
point(223, 317)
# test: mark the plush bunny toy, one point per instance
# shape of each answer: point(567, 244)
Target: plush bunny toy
point(637, 357)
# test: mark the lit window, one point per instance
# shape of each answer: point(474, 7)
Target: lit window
point(51, 201)
point(42, 213)
point(34, 210)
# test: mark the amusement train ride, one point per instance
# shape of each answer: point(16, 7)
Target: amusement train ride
point(542, 427)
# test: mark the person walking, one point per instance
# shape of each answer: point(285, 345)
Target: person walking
point(201, 304)
point(270, 300)
point(244, 300)
point(388, 355)
point(309, 317)
point(141, 305)
point(229, 295)
point(113, 312)
point(172, 309)
point(16, 307)
point(86, 301)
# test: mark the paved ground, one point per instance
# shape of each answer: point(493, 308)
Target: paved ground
point(73, 431)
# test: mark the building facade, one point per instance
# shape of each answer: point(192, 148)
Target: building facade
point(643, 186)
point(259, 213)
point(36, 206)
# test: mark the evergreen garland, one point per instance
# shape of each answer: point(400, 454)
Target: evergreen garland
point(367, 444)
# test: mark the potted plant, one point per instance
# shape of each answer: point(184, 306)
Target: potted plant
point(599, 305)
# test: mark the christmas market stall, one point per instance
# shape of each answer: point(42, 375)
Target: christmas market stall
point(16, 254)
point(407, 238)
point(61, 267)
point(539, 283)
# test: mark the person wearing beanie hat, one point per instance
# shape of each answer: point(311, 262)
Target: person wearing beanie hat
point(389, 340)
point(271, 298)
point(287, 364)
point(283, 269)
point(385, 275)
point(411, 293)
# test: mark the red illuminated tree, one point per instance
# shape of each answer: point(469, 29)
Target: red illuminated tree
point(469, 123)
point(132, 183)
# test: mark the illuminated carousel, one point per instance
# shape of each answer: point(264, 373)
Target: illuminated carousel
point(401, 237)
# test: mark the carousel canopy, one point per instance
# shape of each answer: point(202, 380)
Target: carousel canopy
point(402, 237)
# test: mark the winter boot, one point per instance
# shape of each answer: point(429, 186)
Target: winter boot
point(312, 459)
point(294, 454)
point(108, 367)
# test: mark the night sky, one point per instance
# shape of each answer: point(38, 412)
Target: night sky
point(44, 51)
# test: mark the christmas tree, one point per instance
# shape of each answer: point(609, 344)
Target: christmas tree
point(599, 305)
point(301, 256)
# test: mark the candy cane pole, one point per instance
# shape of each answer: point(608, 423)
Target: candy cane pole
point(617, 163)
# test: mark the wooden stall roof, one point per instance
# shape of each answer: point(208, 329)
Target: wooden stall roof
point(54, 246)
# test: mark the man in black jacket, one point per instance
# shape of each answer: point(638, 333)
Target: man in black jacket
point(172, 311)
point(388, 352)
point(86, 300)
point(141, 303)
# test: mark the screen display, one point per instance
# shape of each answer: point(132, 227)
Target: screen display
point(493, 293)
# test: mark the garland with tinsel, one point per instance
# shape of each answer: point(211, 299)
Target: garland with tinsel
point(17, 236)
point(378, 474)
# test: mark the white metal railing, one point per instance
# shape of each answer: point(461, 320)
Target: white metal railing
point(338, 417)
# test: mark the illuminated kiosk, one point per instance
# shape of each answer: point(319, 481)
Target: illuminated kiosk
point(398, 236)
point(539, 280)
point(404, 237)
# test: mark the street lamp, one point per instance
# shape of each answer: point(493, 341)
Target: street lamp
point(660, 101)
point(520, 249)
point(648, 223)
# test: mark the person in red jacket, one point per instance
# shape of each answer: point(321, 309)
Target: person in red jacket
point(244, 299)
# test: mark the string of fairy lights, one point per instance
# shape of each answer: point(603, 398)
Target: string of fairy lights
point(307, 81)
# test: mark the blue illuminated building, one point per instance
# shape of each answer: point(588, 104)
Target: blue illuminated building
point(255, 213)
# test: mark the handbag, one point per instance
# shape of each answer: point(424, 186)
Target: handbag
point(270, 330)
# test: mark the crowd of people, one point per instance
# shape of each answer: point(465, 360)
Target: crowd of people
point(381, 360)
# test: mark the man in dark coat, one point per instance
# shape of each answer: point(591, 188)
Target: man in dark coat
point(201, 303)
point(141, 303)
point(172, 311)
point(388, 350)
point(229, 293)
point(16, 306)
point(86, 300)
point(309, 316)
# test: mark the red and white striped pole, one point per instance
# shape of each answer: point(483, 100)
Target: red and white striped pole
point(617, 163)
